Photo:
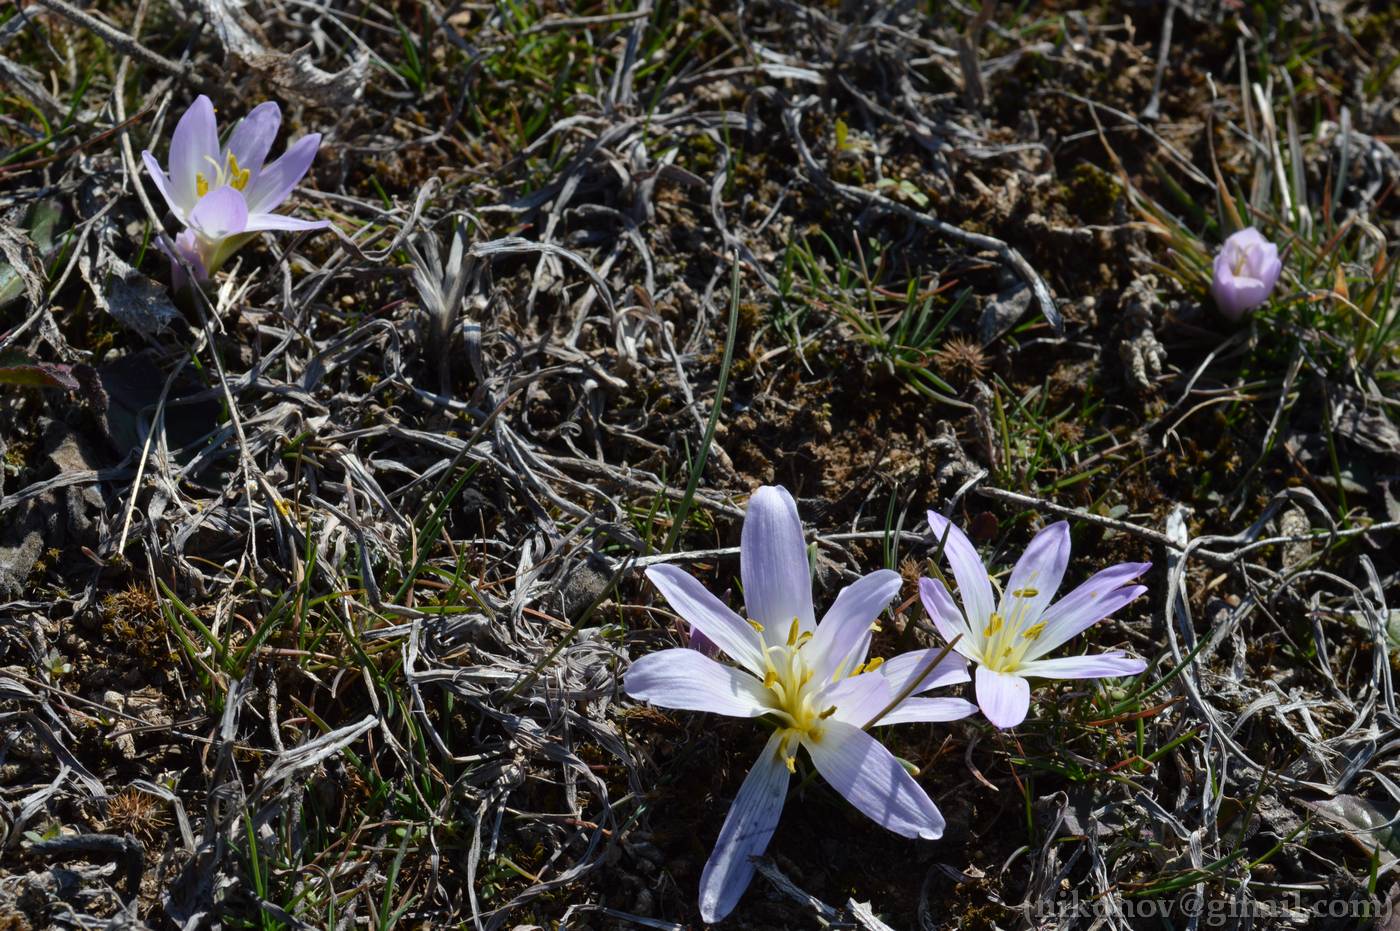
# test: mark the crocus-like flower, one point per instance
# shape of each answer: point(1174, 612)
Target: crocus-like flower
point(1246, 271)
point(1007, 639)
point(811, 680)
point(226, 194)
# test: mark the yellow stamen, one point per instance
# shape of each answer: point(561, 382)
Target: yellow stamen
point(238, 177)
point(1033, 632)
point(874, 664)
point(756, 625)
point(994, 626)
point(827, 713)
point(1025, 593)
point(875, 628)
point(1006, 652)
point(793, 631)
point(201, 185)
point(791, 762)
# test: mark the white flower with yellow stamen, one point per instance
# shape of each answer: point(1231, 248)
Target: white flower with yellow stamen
point(811, 680)
point(226, 194)
point(1007, 640)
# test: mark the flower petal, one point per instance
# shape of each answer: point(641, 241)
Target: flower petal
point(913, 710)
point(861, 769)
point(773, 564)
point(220, 214)
point(843, 636)
point(944, 613)
point(252, 137)
point(272, 186)
point(162, 183)
point(278, 221)
point(857, 699)
point(689, 680)
point(1037, 577)
point(901, 669)
point(1093, 666)
point(747, 829)
point(1004, 698)
point(974, 588)
point(1099, 596)
point(194, 149)
point(708, 615)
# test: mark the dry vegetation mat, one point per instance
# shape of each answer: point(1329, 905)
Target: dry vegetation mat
point(335, 490)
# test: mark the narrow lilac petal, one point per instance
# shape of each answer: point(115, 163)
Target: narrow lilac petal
point(162, 183)
point(746, 832)
point(194, 149)
point(1095, 599)
point(1095, 666)
point(861, 769)
point(220, 214)
point(252, 137)
point(935, 710)
point(843, 635)
point(685, 679)
point(275, 182)
point(184, 247)
point(1004, 698)
point(708, 615)
point(857, 699)
point(702, 644)
point(278, 221)
point(773, 564)
point(974, 588)
point(902, 669)
point(944, 613)
point(1067, 627)
point(1037, 576)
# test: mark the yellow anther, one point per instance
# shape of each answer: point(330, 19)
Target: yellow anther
point(804, 637)
point(874, 664)
point(827, 713)
point(1006, 652)
point(791, 762)
point(806, 677)
point(875, 628)
point(770, 679)
point(756, 625)
point(793, 631)
point(994, 626)
point(201, 185)
point(238, 177)
point(1025, 592)
point(1033, 632)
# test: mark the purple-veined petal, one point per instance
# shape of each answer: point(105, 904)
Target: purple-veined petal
point(1003, 697)
point(1037, 576)
point(275, 182)
point(1099, 596)
point(861, 769)
point(194, 150)
point(746, 832)
point(914, 710)
point(708, 615)
point(278, 221)
point(944, 613)
point(220, 214)
point(690, 681)
point(843, 635)
point(702, 644)
point(900, 670)
point(773, 564)
point(857, 699)
point(974, 587)
point(253, 136)
point(1093, 666)
point(162, 183)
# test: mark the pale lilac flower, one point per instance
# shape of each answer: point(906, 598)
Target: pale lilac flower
point(1246, 271)
point(812, 680)
point(225, 194)
point(1007, 640)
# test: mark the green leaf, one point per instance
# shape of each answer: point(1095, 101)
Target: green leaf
point(16, 369)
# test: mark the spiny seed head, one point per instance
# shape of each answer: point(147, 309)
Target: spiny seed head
point(137, 813)
point(961, 359)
